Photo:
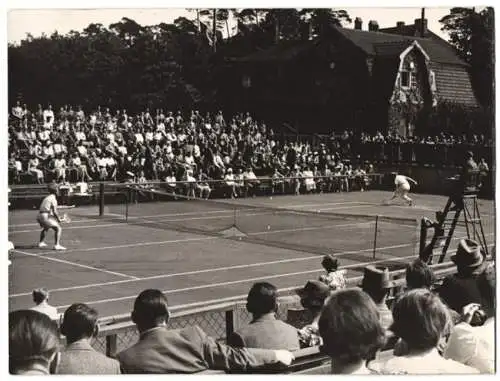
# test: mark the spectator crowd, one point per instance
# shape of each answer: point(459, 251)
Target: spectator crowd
point(71, 145)
point(445, 328)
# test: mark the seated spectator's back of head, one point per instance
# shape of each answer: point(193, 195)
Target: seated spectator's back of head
point(40, 295)
point(33, 340)
point(419, 275)
point(262, 298)
point(349, 326)
point(150, 309)
point(80, 321)
point(420, 319)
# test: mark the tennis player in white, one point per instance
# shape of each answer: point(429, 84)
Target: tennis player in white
point(402, 188)
point(48, 218)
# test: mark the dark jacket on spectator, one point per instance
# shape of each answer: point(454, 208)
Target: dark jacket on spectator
point(266, 332)
point(458, 291)
point(187, 350)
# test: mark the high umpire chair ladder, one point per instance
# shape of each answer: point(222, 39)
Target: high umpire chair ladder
point(467, 206)
point(464, 204)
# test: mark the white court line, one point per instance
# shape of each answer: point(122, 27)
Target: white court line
point(220, 284)
point(74, 264)
point(225, 268)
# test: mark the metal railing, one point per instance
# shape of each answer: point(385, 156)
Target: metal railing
point(219, 320)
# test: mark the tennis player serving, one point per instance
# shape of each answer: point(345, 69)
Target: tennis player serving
point(48, 218)
point(402, 188)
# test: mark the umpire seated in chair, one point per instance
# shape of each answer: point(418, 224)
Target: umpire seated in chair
point(468, 182)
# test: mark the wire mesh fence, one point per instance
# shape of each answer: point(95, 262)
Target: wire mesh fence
point(220, 320)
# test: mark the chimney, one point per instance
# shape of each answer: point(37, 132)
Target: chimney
point(420, 27)
point(400, 26)
point(373, 26)
point(358, 23)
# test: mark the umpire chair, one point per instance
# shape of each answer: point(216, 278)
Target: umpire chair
point(461, 202)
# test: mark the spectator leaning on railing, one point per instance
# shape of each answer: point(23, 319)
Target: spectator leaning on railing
point(188, 350)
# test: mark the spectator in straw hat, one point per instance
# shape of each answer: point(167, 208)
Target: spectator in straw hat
point(462, 288)
point(376, 283)
point(312, 298)
point(334, 277)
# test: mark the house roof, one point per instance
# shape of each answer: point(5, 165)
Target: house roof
point(406, 30)
point(375, 43)
point(283, 51)
point(452, 79)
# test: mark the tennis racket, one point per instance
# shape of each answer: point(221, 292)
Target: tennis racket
point(65, 218)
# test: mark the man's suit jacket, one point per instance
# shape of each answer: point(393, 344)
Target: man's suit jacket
point(187, 350)
point(458, 291)
point(266, 332)
point(80, 358)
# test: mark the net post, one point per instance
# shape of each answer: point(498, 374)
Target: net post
point(127, 198)
point(375, 237)
point(101, 199)
point(422, 230)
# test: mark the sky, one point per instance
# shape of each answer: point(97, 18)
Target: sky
point(38, 21)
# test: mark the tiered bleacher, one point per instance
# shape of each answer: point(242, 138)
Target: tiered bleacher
point(98, 145)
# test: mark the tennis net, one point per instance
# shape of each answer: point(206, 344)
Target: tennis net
point(313, 231)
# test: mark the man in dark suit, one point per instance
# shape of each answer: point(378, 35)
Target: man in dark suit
point(188, 350)
point(265, 331)
point(80, 326)
point(464, 287)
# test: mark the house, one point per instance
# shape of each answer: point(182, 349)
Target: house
point(377, 79)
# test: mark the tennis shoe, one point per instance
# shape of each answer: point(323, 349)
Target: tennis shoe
point(41, 245)
point(59, 247)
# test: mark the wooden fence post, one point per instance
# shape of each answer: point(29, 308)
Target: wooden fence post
point(111, 345)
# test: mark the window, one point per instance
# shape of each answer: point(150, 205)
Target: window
point(405, 79)
point(408, 79)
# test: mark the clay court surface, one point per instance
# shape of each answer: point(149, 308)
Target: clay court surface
point(109, 261)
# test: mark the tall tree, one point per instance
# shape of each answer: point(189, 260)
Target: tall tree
point(322, 19)
point(472, 34)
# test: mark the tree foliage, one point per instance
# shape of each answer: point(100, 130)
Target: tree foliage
point(131, 65)
point(471, 32)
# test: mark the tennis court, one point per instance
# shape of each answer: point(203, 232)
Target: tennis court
point(197, 251)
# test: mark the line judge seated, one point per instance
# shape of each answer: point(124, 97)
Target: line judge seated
point(188, 350)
